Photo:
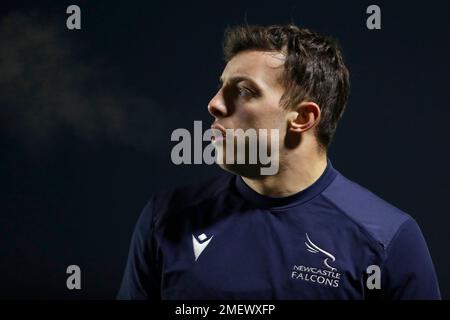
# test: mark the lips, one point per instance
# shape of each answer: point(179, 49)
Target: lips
point(218, 132)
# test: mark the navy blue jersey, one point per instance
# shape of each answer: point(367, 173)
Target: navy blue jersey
point(223, 240)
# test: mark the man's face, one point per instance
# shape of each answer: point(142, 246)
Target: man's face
point(249, 94)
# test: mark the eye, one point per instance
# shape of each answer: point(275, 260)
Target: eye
point(244, 92)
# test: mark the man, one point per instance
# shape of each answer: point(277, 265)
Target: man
point(305, 232)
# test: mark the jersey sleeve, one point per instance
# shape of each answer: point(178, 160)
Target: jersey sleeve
point(408, 272)
point(141, 279)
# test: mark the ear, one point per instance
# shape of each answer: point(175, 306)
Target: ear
point(304, 117)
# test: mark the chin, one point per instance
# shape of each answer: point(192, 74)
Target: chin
point(244, 170)
point(249, 170)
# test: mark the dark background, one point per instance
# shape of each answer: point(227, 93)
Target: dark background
point(86, 118)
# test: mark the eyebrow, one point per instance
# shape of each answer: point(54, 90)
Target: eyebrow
point(237, 79)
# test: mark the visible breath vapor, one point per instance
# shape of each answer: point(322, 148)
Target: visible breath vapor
point(45, 88)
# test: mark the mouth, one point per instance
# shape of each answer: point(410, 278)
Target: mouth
point(219, 133)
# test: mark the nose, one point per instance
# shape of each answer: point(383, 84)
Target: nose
point(217, 107)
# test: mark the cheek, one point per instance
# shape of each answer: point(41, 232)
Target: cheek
point(266, 114)
point(270, 117)
point(246, 116)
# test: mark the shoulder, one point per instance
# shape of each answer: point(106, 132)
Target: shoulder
point(179, 198)
point(379, 219)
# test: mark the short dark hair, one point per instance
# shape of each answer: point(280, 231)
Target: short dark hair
point(314, 68)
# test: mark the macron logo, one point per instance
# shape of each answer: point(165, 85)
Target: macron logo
point(200, 243)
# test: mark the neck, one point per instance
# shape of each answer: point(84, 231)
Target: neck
point(295, 174)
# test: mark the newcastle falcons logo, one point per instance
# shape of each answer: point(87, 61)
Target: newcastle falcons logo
point(313, 248)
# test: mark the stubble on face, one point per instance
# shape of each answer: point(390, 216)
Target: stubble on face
point(265, 69)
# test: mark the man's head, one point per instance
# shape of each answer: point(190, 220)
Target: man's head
point(285, 78)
